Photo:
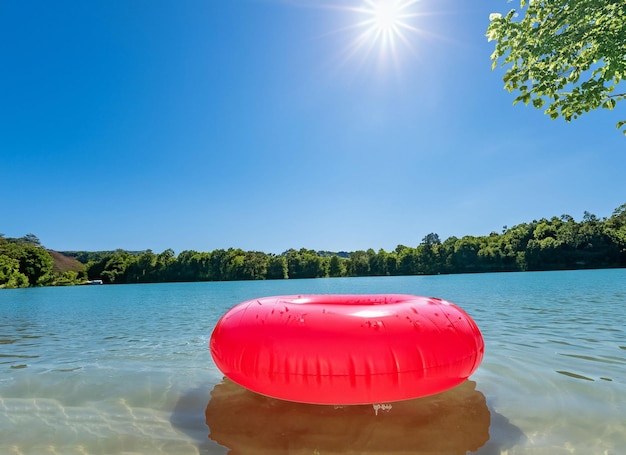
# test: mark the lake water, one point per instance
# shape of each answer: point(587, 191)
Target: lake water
point(126, 370)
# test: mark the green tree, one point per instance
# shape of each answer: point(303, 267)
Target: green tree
point(514, 242)
point(465, 257)
point(185, 267)
point(567, 56)
point(491, 255)
point(277, 268)
point(234, 262)
point(165, 265)
point(392, 263)
point(202, 265)
point(139, 270)
point(378, 262)
point(30, 239)
point(305, 264)
point(10, 275)
point(358, 264)
point(615, 229)
point(36, 263)
point(599, 249)
point(255, 265)
point(407, 262)
point(336, 267)
point(428, 255)
point(217, 265)
point(191, 265)
point(116, 267)
point(446, 254)
point(67, 278)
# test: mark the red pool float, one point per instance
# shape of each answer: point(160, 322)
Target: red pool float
point(347, 349)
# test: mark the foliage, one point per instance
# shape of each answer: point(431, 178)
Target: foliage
point(615, 228)
point(36, 263)
point(24, 262)
point(567, 56)
point(557, 243)
point(10, 275)
point(547, 244)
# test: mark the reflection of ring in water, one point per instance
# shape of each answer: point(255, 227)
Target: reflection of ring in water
point(453, 422)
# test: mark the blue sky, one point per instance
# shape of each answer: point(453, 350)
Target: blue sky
point(259, 124)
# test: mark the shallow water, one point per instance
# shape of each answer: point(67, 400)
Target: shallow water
point(126, 369)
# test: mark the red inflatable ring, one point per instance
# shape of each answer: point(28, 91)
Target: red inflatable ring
point(347, 349)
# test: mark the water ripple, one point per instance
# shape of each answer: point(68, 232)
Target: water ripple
point(603, 359)
point(121, 356)
point(574, 375)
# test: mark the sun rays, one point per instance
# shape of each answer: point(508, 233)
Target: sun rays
point(373, 37)
point(384, 30)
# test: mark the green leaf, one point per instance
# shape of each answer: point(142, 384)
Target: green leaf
point(567, 51)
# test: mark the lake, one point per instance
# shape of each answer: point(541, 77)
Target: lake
point(125, 370)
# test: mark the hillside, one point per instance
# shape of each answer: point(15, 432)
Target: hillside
point(64, 263)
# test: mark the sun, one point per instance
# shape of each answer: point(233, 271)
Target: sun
point(384, 27)
point(386, 16)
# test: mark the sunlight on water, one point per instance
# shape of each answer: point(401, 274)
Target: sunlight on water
point(126, 369)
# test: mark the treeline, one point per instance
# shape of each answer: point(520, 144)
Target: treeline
point(24, 262)
point(548, 244)
point(557, 243)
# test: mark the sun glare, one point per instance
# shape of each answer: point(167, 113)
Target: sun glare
point(386, 16)
point(383, 27)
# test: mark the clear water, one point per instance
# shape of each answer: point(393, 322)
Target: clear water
point(126, 370)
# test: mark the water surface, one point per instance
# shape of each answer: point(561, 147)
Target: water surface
point(126, 369)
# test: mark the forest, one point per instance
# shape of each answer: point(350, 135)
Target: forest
point(558, 243)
